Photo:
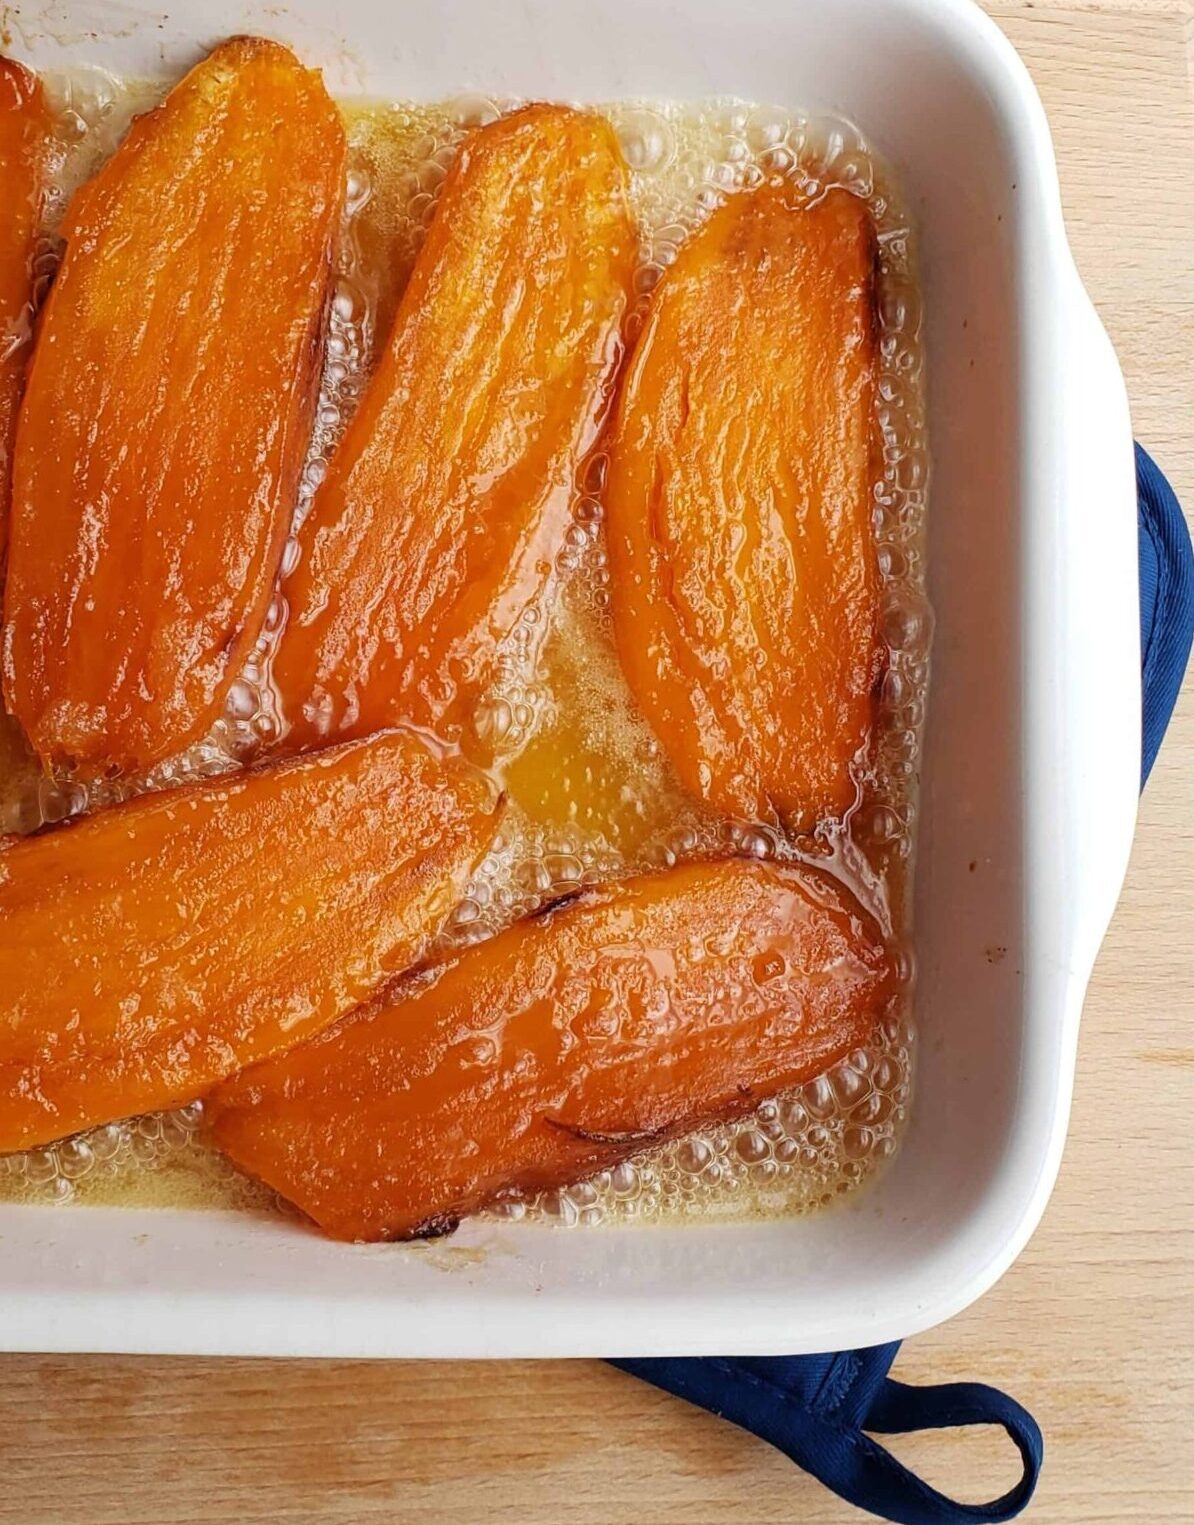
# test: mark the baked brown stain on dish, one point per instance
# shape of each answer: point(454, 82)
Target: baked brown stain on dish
point(745, 588)
point(167, 411)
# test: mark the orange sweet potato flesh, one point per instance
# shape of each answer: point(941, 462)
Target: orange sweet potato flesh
point(738, 502)
point(445, 503)
point(154, 948)
point(167, 411)
point(24, 130)
point(561, 1046)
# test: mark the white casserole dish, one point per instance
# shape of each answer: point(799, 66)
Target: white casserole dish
point(1031, 761)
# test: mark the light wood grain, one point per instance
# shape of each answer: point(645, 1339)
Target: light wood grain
point(1093, 1327)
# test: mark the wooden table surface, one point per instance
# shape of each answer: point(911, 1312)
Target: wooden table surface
point(1093, 1328)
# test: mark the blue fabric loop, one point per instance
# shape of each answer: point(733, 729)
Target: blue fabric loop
point(819, 1409)
point(899, 1408)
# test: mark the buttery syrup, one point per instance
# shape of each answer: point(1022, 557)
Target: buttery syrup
point(592, 794)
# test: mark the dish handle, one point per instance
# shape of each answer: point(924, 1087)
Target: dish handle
point(1081, 568)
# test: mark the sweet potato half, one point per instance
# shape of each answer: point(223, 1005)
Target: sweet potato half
point(152, 949)
point(563, 1045)
point(24, 131)
point(738, 503)
point(167, 411)
point(446, 501)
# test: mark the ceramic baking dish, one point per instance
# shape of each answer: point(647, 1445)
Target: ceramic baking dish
point(1031, 761)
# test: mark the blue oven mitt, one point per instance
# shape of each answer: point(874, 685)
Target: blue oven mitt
point(823, 1411)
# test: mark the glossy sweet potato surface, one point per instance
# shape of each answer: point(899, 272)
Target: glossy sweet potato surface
point(167, 411)
point(153, 948)
point(24, 130)
point(561, 1046)
point(446, 501)
point(738, 506)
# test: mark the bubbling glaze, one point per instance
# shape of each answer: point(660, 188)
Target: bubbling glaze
point(591, 792)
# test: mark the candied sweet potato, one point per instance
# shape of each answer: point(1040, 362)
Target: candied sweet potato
point(744, 582)
point(24, 129)
point(167, 411)
point(561, 1046)
point(152, 949)
point(446, 501)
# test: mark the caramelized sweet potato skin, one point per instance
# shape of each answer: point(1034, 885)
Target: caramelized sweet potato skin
point(167, 410)
point(561, 1046)
point(446, 501)
point(24, 130)
point(744, 583)
point(152, 949)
